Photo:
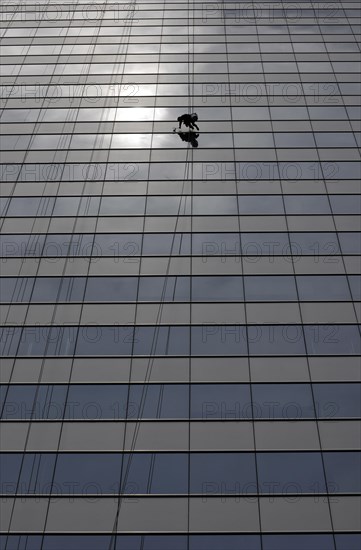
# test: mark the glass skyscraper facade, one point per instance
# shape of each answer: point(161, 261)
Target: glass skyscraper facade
point(180, 315)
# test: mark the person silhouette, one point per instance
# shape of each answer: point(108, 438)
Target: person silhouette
point(188, 120)
point(190, 137)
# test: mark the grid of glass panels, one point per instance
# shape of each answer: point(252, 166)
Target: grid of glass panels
point(180, 317)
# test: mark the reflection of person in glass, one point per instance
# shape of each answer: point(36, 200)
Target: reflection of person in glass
point(191, 137)
point(189, 121)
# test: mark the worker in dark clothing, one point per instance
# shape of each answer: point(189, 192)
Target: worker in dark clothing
point(188, 120)
point(191, 137)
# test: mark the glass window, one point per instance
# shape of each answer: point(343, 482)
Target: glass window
point(275, 340)
point(30, 401)
point(315, 244)
point(355, 285)
point(57, 340)
point(222, 473)
point(348, 541)
point(224, 542)
point(268, 244)
point(76, 206)
point(164, 244)
point(264, 204)
point(217, 289)
point(10, 465)
point(216, 244)
point(14, 246)
point(87, 474)
point(171, 206)
point(350, 243)
point(306, 204)
point(159, 473)
point(270, 288)
point(343, 471)
point(288, 139)
point(323, 288)
point(335, 139)
point(170, 289)
point(298, 542)
point(91, 402)
point(290, 473)
point(286, 401)
point(220, 401)
point(56, 289)
point(111, 289)
point(9, 340)
point(345, 204)
point(14, 289)
point(115, 244)
point(218, 205)
point(332, 339)
point(338, 400)
point(37, 473)
point(219, 340)
point(158, 401)
point(122, 206)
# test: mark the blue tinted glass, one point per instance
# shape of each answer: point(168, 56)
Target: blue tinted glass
point(126, 542)
point(290, 473)
point(337, 400)
point(343, 471)
point(158, 401)
point(10, 465)
point(345, 204)
point(161, 341)
point(218, 205)
point(111, 289)
point(55, 289)
point(9, 340)
point(94, 401)
point(94, 340)
point(315, 244)
point(118, 245)
point(276, 340)
point(262, 204)
point(214, 289)
point(319, 288)
point(270, 288)
point(225, 542)
point(158, 206)
point(21, 542)
point(160, 473)
point(219, 340)
point(68, 245)
point(221, 473)
point(87, 474)
point(216, 244)
point(19, 402)
point(287, 401)
point(348, 541)
point(307, 204)
point(350, 243)
point(122, 206)
point(77, 542)
point(268, 244)
point(164, 289)
point(165, 244)
point(225, 401)
point(13, 246)
point(37, 473)
point(14, 289)
point(165, 542)
point(332, 339)
point(355, 284)
point(298, 542)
